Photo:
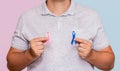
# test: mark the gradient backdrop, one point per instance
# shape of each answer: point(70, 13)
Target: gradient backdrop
point(10, 10)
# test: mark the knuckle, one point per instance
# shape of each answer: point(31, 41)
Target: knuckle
point(42, 47)
point(78, 48)
point(32, 45)
point(37, 54)
point(32, 40)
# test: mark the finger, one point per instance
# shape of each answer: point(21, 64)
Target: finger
point(82, 45)
point(81, 41)
point(82, 55)
point(41, 39)
point(34, 44)
point(39, 43)
point(40, 47)
point(81, 50)
point(40, 51)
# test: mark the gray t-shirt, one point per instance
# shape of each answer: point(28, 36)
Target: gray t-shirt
point(59, 54)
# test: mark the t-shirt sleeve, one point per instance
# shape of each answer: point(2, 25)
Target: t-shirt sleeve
point(100, 40)
point(18, 40)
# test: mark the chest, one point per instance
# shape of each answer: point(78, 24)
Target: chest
point(60, 29)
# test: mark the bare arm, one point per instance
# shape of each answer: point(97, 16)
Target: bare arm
point(103, 59)
point(18, 60)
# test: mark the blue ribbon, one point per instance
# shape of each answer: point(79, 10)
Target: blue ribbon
point(73, 37)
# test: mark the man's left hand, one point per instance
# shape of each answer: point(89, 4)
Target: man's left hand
point(84, 48)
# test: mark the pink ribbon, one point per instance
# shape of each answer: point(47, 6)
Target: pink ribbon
point(49, 40)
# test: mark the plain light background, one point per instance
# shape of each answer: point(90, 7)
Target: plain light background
point(10, 10)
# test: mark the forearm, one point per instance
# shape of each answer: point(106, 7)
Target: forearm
point(19, 60)
point(101, 59)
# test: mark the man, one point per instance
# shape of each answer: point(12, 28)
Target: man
point(31, 48)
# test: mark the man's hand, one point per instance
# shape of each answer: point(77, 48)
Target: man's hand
point(37, 46)
point(19, 59)
point(102, 59)
point(84, 47)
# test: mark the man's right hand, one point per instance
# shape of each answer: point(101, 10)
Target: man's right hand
point(19, 59)
point(37, 46)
